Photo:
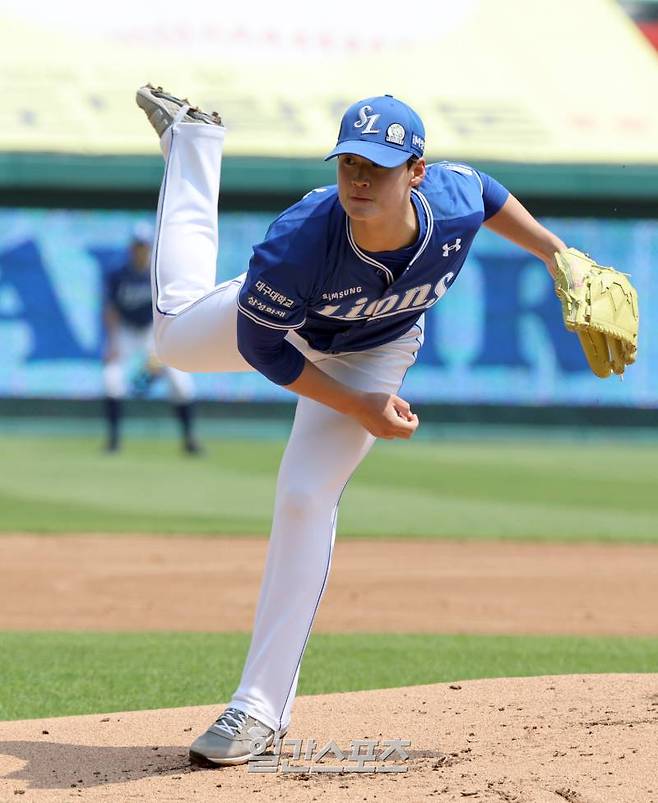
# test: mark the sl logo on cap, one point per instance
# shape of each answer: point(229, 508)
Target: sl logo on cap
point(395, 133)
point(367, 120)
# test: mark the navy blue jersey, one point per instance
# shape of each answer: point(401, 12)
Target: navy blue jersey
point(129, 292)
point(310, 275)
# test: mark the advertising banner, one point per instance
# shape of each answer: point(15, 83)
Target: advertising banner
point(496, 337)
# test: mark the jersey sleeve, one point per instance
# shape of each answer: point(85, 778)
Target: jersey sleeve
point(268, 352)
point(281, 275)
point(494, 195)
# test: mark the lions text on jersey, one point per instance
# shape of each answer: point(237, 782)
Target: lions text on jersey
point(310, 275)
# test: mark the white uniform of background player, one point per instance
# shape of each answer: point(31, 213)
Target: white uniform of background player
point(129, 347)
point(351, 268)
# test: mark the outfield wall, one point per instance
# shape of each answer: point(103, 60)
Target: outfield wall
point(497, 338)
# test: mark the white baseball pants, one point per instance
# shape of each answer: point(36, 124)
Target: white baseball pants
point(195, 330)
point(129, 341)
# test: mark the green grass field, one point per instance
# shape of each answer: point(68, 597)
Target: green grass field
point(576, 488)
point(537, 489)
point(57, 674)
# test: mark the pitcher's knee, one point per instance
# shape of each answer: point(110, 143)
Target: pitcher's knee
point(299, 503)
point(169, 350)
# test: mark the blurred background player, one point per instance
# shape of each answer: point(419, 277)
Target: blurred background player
point(128, 323)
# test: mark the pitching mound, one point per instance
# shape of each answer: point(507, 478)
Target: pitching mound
point(584, 739)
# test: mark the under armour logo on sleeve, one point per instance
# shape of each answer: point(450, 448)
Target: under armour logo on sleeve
point(456, 246)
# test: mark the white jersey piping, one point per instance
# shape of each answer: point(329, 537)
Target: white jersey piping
point(429, 219)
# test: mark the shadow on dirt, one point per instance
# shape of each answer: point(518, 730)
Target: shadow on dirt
point(51, 765)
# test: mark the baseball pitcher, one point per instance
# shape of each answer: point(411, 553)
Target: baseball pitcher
point(332, 307)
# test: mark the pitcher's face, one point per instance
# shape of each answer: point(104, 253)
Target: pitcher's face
point(367, 190)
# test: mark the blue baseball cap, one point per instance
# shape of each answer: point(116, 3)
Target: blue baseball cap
point(382, 129)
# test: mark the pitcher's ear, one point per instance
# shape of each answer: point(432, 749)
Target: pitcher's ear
point(419, 167)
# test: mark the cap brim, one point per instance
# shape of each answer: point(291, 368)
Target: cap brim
point(373, 151)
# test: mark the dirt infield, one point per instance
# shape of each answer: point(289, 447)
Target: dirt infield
point(587, 739)
point(149, 583)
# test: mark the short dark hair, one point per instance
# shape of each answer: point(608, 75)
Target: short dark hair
point(411, 161)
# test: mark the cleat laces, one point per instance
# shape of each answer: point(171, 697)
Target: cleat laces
point(231, 721)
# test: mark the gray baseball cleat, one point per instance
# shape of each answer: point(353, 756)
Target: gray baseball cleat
point(163, 109)
point(234, 738)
